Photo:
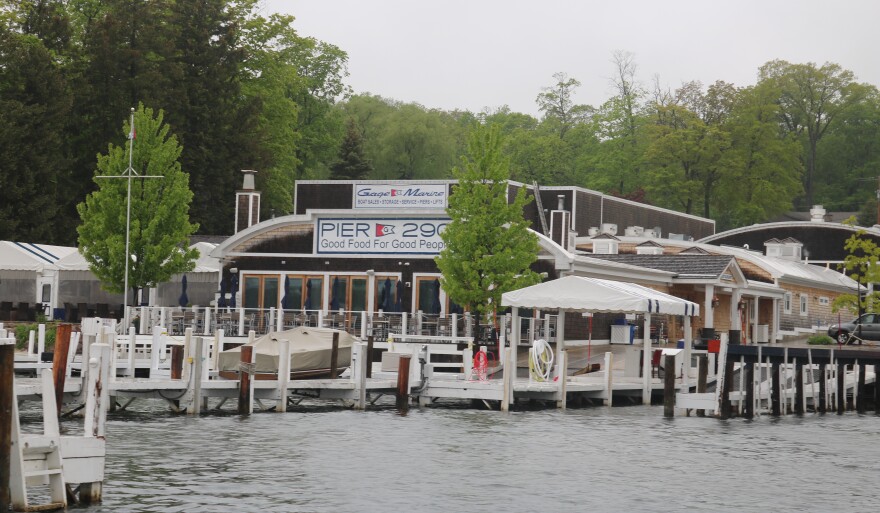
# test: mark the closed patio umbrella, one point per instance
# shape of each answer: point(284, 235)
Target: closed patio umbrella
point(435, 303)
point(183, 300)
point(285, 302)
point(308, 303)
point(385, 303)
point(334, 302)
point(398, 304)
point(233, 290)
point(222, 302)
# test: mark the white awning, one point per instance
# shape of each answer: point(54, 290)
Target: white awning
point(583, 294)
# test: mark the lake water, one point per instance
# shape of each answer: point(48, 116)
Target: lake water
point(449, 460)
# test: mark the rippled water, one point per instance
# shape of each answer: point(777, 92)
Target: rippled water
point(447, 460)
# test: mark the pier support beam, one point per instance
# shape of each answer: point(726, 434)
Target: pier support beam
point(749, 410)
point(776, 383)
point(841, 388)
point(798, 387)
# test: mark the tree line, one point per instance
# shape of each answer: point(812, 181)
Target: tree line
point(241, 89)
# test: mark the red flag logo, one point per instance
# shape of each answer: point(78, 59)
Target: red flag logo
point(384, 229)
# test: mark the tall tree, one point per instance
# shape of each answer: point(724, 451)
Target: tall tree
point(810, 99)
point(352, 163)
point(489, 247)
point(557, 104)
point(34, 104)
point(159, 228)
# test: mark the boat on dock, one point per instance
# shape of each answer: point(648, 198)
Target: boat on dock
point(311, 354)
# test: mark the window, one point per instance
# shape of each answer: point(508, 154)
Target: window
point(824, 301)
point(804, 298)
point(786, 303)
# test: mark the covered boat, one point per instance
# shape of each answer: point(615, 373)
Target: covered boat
point(310, 353)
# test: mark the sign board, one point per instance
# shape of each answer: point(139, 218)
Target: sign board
point(432, 195)
point(379, 236)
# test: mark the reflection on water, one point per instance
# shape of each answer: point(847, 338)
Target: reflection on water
point(594, 459)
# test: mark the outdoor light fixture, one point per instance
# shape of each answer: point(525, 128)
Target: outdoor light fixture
point(715, 301)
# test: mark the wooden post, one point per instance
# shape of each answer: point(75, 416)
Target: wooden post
point(646, 360)
point(98, 393)
point(609, 382)
point(155, 350)
point(749, 410)
point(669, 386)
point(244, 386)
point(774, 388)
point(283, 373)
point(726, 387)
point(798, 388)
point(176, 361)
point(334, 355)
point(860, 401)
point(841, 391)
point(7, 400)
point(359, 372)
point(823, 376)
point(59, 363)
point(561, 367)
point(196, 362)
point(877, 388)
point(370, 356)
point(41, 341)
point(702, 378)
point(403, 381)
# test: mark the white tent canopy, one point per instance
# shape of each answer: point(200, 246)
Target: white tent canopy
point(583, 294)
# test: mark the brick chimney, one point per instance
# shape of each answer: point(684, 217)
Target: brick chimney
point(247, 203)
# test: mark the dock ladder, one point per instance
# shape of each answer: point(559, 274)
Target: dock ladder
point(36, 459)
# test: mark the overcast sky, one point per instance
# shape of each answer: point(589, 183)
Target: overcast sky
point(473, 54)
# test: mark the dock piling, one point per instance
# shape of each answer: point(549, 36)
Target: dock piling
point(402, 381)
point(283, 373)
point(702, 378)
point(669, 386)
point(749, 410)
point(798, 387)
point(245, 397)
point(840, 392)
point(370, 356)
point(59, 362)
point(860, 388)
point(334, 356)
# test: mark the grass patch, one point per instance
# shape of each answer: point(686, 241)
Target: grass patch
point(820, 340)
point(22, 332)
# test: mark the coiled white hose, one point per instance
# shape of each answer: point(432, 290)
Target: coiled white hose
point(540, 360)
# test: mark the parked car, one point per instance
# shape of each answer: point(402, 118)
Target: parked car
point(866, 327)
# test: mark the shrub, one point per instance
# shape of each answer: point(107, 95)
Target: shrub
point(22, 334)
point(820, 340)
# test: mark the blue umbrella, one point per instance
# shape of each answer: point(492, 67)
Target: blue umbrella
point(285, 303)
point(308, 303)
point(334, 303)
point(233, 290)
point(435, 303)
point(398, 304)
point(183, 300)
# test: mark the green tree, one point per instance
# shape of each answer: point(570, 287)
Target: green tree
point(557, 104)
point(159, 228)
point(863, 265)
point(811, 98)
point(352, 164)
point(489, 248)
point(34, 104)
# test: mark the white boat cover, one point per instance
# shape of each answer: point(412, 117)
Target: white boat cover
point(583, 294)
point(310, 349)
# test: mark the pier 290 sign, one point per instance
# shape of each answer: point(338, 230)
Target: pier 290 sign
point(379, 236)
